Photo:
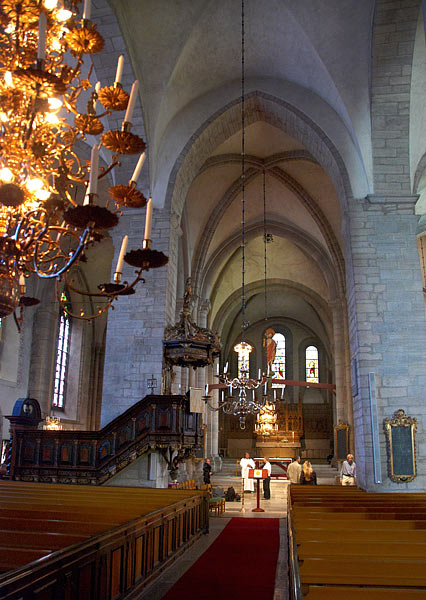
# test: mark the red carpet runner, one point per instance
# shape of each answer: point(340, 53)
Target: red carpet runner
point(240, 564)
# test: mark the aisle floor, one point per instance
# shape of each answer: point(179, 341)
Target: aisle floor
point(276, 507)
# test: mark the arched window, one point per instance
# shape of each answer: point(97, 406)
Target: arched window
point(62, 358)
point(311, 362)
point(278, 366)
point(243, 350)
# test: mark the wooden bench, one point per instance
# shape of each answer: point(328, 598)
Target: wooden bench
point(326, 592)
point(357, 543)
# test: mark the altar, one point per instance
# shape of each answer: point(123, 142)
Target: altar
point(278, 449)
point(280, 464)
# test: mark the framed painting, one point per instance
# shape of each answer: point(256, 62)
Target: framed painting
point(400, 435)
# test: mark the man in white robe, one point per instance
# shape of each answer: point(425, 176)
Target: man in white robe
point(247, 463)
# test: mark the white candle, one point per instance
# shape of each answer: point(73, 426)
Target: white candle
point(269, 368)
point(207, 390)
point(97, 89)
point(275, 393)
point(94, 168)
point(119, 72)
point(120, 261)
point(225, 370)
point(148, 220)
point(87, 10)
point(260, 374)
point(42, 24)
point(132, 102)
point(266, 387)
point(138, 167)
point(282, 393)
point(217, 369)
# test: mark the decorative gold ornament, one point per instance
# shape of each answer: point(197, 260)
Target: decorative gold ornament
point(113, 97)
point(126, 195)
point(123, 142)
point(88, 124)
point(85, 40)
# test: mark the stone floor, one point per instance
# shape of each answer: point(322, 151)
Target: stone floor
point(275, 507)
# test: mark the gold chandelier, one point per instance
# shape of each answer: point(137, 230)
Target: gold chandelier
point(266, 423)
point(43, 229)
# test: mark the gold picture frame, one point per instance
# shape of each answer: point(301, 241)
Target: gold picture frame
point(400, 435)
point(341, 440)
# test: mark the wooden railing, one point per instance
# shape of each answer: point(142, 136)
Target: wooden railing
point(115, 564)
point(161, 423)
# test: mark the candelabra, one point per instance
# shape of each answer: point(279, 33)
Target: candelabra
point(43, 230)
point(243, 403)
point(52, 424)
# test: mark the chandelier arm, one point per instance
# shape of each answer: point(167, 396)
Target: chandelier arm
point(83, 316)
point(30, 217)
point(83, 239)
point(113, 164)
point(211, 407)
point(74, 74)
point(112, 295)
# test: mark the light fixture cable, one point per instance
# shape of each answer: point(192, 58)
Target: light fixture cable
point(243, 187)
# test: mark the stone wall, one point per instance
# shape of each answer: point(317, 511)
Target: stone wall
point(388, 329)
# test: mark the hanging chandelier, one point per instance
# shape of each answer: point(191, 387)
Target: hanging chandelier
point(244, 402)
point(43, 229)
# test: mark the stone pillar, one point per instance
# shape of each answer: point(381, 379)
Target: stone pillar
point(43, 352)
point(134, 350)
point(387, 327)
point(343, 399)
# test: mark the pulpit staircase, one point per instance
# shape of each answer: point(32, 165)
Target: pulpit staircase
point(160, 423)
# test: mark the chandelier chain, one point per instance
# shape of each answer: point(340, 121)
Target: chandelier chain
point(265, 242)
point(243, 199)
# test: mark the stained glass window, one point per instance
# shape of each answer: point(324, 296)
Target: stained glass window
point(243, 349)
point(62, 359)
point(311, 360)
point(278, 366)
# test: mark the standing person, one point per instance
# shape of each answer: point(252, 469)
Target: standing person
point(308, 475)
point(267, 481)
point(247, 463)
point(348, 471)
point(294, 470)
point(207, 471)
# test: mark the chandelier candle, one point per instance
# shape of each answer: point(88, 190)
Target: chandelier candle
point(120, 261)
point(132, 102)
point(97, 89)
point(94, 168)
point(119, 72)
point(148, 220)
point(138, 168)
point(42, 23)
point(87, 10)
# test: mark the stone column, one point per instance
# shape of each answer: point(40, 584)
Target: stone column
point(342, 400)
point(387, 326)
point(134, 350)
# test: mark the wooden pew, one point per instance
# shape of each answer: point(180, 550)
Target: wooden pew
point(349, 544)
point(325, 592)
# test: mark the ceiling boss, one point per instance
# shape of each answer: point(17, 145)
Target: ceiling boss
point(43, 229)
